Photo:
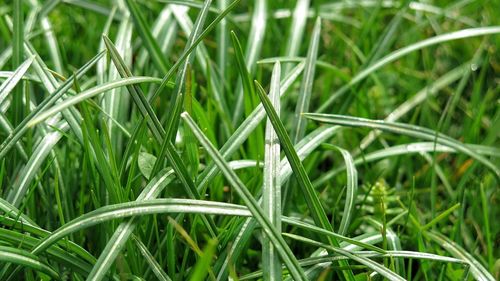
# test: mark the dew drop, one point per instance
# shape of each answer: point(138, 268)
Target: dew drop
point(474, 67)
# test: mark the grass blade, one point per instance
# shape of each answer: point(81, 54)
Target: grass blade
point(280, 244)
point(307, 84)
point(25, 258)
point(14, 79)
point(271, 195)
point(147, 38)
point(155, 267)
point(404, 129)
point(310, 195)
point(352, 189)
point(456, 35)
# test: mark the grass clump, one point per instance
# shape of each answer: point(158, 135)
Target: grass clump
point(273, 140)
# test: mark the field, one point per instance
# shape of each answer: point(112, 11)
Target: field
point(249, 140)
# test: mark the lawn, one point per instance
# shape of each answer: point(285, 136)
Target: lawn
point(250, 140)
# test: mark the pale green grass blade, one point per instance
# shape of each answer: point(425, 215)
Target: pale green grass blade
point(54, 253)
point(405, 149)
point(11, 211)
point(244, 130)
point(476, 268)
point(306, 86)
point(140, 208)
point(147, 38)
point(30, 170)
point(280, 244)
point(461, 34)
point(14, 79)
point(312, 200)
point(304, 148)
point(340, 237)
point(296, 32)
point(17, 58)
point(18, 132)
point(153, 264)
point(351, 190)
point(159, 132)
point(26, 259)
point(90, 93)
point(271, 194)
point(354, 256)
point(125, 229)
point(253, 50)
point(222, 43)
point(195, 43)
point(404, 129)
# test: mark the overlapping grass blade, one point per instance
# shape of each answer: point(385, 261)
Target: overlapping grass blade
point(351, 190)
point(153, 264)
point(147, 38)
point(139, 208)
point(297, 28)
point(90, 93)
point(404, 129)
point(476, 268)
point(307, 84)
point(17, 58)
point(280, 244)
point(125, 229)
point(358, 258)
point(14, 79)
point(271, 195)
point(456, 35)
point(245, 129)
point(26, 259)
point(253, 50)
point(315, 207)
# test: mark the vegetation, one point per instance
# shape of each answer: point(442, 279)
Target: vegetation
point(228, 139)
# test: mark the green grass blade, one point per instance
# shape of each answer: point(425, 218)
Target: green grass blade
point(17, 58)
point(307, 84)
point(147, 38)
point(155, 267)
point(125, 229)
point(315, 207)
point(14, 79)
point(280, 244)
point(24, 258)
point(476, 268)
point(90, 93)
point(140, 208)
point(202, 267)
point(404, 129)
point(456, 35)
point(352, 189)
point(358, 258)
point(271, 194)
point(297, 28)
point(245, 129)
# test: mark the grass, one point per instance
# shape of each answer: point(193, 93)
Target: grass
point(133, 144)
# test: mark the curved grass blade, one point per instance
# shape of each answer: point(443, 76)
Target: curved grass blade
point(144, 207)
point(307, 84)
point(125, 229)
point(18, 132)
point(26, 259)
point(456, 35)
point(312, 200)
point(14, 79)
point(271, 195)
point(354, 256)
point(404, 129)
point(87, 94)
point(352, 189)
point(280, 244)
point(476, 268)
